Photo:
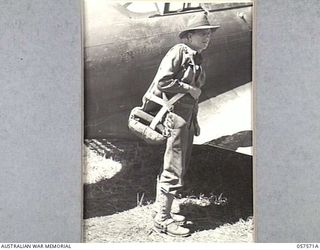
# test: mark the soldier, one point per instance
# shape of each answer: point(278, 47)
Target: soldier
point(180, 72)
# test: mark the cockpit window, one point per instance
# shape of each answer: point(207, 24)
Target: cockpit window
point(142, 9)
point(137, 9)
point(179, 7)
point(147, 9)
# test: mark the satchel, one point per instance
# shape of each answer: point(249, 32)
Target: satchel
point(153, 129)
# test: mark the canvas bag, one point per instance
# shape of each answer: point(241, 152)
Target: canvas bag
point(154, 129)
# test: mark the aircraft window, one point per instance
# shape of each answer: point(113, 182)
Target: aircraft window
point(179, 7)
point(141, 7)
point(150, 9)
point(161, 8)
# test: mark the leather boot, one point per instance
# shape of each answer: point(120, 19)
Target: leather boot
point(178, 218)
point(163, 223)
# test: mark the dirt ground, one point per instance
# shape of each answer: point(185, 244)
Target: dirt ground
point(135, 225)
point(120, 189)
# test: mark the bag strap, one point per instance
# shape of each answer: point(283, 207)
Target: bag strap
point(166, 104)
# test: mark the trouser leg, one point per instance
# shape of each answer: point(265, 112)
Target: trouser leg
point(189, 148)
point(187, 158)
point(171, 179)
point(174, 165)
point(176, 159)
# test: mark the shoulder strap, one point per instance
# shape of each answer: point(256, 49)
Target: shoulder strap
point(166, 106)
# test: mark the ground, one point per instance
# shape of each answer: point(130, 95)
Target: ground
point(135, 225)
point(119, 193)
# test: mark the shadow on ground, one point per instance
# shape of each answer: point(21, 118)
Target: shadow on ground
point(212, 171)
point(233, 142)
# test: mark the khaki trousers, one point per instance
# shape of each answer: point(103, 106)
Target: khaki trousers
point(178, 151)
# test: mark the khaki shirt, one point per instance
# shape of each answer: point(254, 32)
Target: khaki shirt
point(180, 66)
point(177, 69)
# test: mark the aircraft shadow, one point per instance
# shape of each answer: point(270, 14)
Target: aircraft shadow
point(234, 141)
point(212, 171)
point(218, 172)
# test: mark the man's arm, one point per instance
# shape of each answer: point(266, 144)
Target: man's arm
point(168, 69)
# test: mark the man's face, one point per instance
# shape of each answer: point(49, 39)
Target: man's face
point(199, 39)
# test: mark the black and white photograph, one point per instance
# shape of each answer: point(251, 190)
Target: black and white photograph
point(159, 122)
point(168, 121)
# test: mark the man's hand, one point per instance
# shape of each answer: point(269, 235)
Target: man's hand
point(196, 128)
point(195, 92)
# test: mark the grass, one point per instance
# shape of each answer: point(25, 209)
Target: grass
point(119, 195)
point(97, 167)
point(135, 225)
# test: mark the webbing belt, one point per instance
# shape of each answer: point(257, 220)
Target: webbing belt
point(166, 106)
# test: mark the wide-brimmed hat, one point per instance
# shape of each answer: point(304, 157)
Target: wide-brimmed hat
point(198, 22)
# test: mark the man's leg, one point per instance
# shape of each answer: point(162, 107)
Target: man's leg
point(175, 209)
point(189, 147)
point(171, 178)
point(187, 157)
point(163, 222)
point(171, 181)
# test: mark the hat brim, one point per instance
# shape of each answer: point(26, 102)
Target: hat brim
point(211, 27)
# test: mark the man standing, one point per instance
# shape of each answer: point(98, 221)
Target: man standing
point(180, 72)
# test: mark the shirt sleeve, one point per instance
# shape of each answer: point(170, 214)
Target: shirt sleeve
point(168, 69)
